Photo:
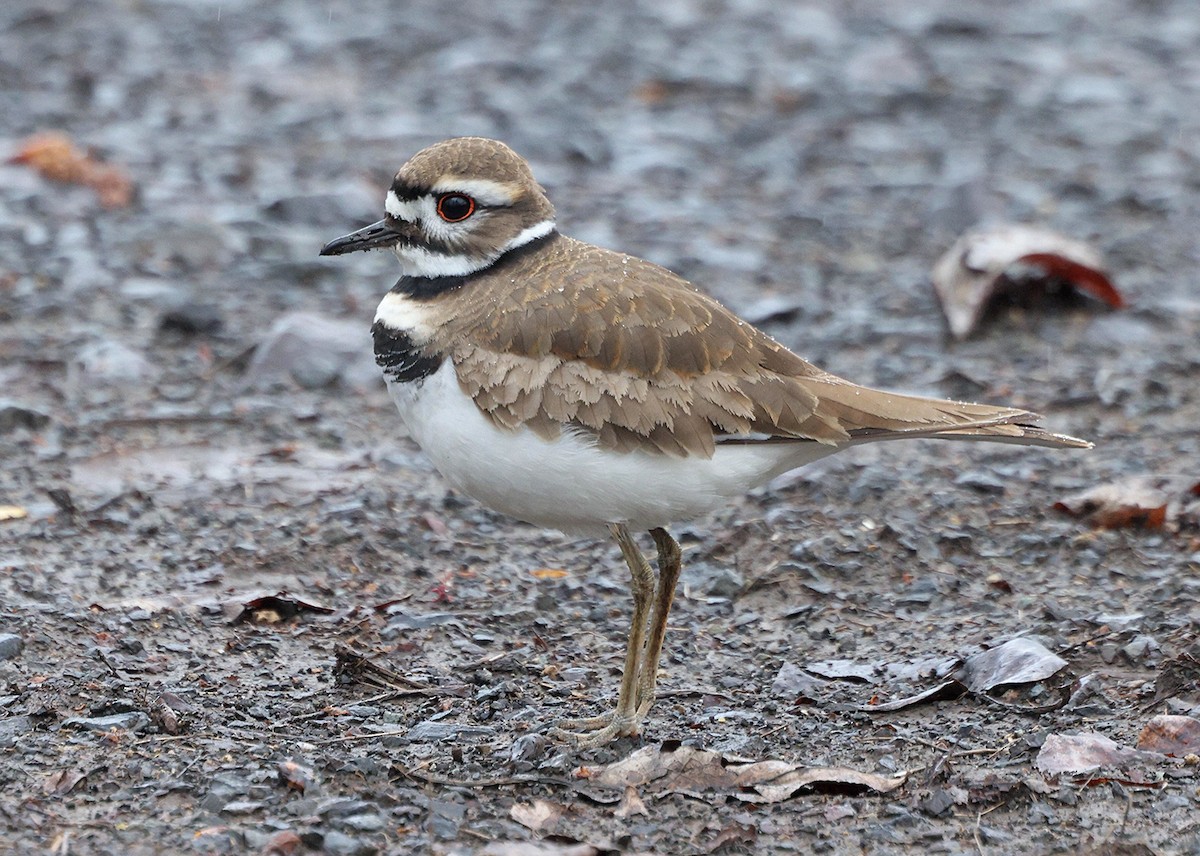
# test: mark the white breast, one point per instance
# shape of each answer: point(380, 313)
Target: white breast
point(570, 484)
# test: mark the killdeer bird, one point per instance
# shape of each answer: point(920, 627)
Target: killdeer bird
point(582, 389)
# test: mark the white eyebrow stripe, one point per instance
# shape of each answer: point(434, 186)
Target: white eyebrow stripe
point(408, 210)
point(483, 190)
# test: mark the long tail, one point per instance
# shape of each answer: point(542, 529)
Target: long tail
point(1009, 426)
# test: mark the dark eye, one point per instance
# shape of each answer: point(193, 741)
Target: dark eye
point(455, 207)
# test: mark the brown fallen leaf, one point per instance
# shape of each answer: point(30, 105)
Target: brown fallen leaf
point(1136, 502)
point(294, 776)
point(1178, 676)
point(1079, 753)
point(1014, 260)
point(1166, 734)
point(1017, 661)
point(631, 804)
point(62, 782)
point(945, 691)
point(538, 816)
point(735, 836)
point(54, 156)
point(285, 843)
point(688, 770)
point(274, 608)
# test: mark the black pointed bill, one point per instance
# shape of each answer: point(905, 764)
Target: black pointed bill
point(377, 235)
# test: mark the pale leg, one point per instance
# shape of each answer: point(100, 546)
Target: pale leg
point(643, 651)
point(670, 563)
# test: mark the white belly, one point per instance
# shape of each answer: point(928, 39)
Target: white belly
point(569, 483)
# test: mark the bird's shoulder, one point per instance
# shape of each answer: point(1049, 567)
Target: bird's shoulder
point(611, 312)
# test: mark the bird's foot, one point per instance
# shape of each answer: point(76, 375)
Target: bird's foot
point(598, 730)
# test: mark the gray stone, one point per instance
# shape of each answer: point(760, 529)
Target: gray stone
point(11, 646)
point(339, 844)
point(12, 728)
point(111, 361)
point(314, 352)
point(134, 720)
point(14, 415)
point(365, 822)
point(435, 732)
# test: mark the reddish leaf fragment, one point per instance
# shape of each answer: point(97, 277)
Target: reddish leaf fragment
point(1139, 502)
point(54, 156)
point(1176, 736)
point(274, 608)
point(434, 523)
point(285, 843)
point(1086, 279)
point(1092, 781)
point(293, 776)
point(1014, 260)
point(998, 582)
point(548, 573)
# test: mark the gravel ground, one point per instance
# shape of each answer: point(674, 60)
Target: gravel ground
point(190, 422)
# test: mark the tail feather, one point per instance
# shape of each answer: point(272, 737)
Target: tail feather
point(1006, 425)
point(1013, 426)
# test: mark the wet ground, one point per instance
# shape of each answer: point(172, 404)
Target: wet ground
point(190, 422)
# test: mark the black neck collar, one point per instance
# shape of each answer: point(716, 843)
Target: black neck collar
point(428, 287)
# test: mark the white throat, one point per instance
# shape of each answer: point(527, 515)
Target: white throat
point(420, 262)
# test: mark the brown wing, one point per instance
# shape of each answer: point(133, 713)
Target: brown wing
point(633, 353)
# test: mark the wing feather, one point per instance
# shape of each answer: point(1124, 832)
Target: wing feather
point(639, 359)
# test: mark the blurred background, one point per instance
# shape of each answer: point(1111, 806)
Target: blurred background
point(821, 154)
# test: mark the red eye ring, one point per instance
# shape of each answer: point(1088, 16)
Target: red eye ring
point(455, 207)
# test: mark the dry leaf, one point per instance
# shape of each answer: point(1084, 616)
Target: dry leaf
point(1007, 260)
point(548, 573)
point(55, 157)
point(1078, 753)
point(690, 770)
point(274, 608)
point(1176, 736)
point(294, 776)
point(1017, 661)
point(1178, 676)
point(631, 804)
point(540, 816)
point(62, 782)
point(944, 691)
point(1139, 502)
point(846, 670)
